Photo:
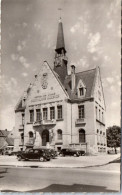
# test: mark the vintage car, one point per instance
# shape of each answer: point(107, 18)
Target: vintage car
point(33, 154)
point(69, 152)
point(51, 152)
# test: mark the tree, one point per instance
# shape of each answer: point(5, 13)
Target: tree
point(114, 137)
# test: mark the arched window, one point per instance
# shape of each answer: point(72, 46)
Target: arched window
point(30, 134)
point(59, 134)
point(82, 136)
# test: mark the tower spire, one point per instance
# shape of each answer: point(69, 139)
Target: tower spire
point(60, 45)
point(60, 61)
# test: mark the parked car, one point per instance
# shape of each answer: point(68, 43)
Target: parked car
point(33, 154)
point(53, 153)
point(69, 152)
point(80, 151)
point(112, 151)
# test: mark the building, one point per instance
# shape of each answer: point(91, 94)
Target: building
point(6, 140)
point(59, 110)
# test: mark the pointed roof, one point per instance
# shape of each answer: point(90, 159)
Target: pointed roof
point(60, 37)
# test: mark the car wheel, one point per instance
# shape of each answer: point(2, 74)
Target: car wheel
point(19, 158)
point(74, 154)
point(41, 159)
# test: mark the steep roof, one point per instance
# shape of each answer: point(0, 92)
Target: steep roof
point(10, 141)
point(88, 79)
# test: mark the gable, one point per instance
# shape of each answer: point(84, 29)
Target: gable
point(98, 89)
point(46, 87)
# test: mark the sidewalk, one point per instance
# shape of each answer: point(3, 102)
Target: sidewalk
point(60, 162)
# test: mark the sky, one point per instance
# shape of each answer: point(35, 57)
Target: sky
point(92, 33)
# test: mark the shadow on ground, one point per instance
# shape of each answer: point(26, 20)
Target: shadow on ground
point(2, 171)
point(70, 188)
point(118, 160)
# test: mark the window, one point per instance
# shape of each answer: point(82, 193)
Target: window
point(102, 117)
point(99, 114)
point(23, 118)
point(30, 134)
point(52, 113)
point(81, 112)
point(31, 116)
point(59, 112)
point(38, 115)
point(99, 95)
point(45, 113)
point(96, 112)
point(59, 134)
point(81, 91)
point(22, 138)
point(82, 136)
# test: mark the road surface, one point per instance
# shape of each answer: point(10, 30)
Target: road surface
point(97, 179)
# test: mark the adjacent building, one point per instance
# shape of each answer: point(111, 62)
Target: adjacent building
point(59, 110)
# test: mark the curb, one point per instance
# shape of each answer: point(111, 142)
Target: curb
point(46, 167)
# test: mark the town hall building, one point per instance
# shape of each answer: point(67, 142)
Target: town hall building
point(61, 110)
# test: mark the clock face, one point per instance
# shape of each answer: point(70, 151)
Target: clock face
point(44, 81)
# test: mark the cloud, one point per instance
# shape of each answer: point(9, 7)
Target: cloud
point(83, 62)
point(24, 74)
point(37, 26)
point(21, 45)
point(23, 61)
point(94, 41)
point(24, 24)
point(75, 28)
point(14, 57)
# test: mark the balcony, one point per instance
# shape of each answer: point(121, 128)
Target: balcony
point(37, 123)
point(49, 122)
point(80, 121)
point(44, 122)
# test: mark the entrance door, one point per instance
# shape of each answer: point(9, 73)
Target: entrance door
point(45, 137)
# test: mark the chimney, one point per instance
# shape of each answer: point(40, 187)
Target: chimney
point(72, 77)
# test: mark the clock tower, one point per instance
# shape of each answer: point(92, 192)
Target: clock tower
point(61, 60)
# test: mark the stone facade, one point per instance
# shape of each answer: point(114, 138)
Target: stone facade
point(59, 110)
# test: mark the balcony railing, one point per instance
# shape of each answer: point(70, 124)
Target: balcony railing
point(49, 122)
point(44, 122)
point(80, 121)
point(37, 123)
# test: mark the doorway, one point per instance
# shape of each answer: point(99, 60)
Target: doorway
point(45, 137)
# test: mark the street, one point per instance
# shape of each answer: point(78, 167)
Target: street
point(97, 179)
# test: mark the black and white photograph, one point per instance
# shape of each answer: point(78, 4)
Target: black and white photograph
point(60, 110)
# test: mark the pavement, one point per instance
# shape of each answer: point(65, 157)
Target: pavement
point(62, 162)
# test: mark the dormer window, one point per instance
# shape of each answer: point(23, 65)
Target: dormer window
point(81, 89)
